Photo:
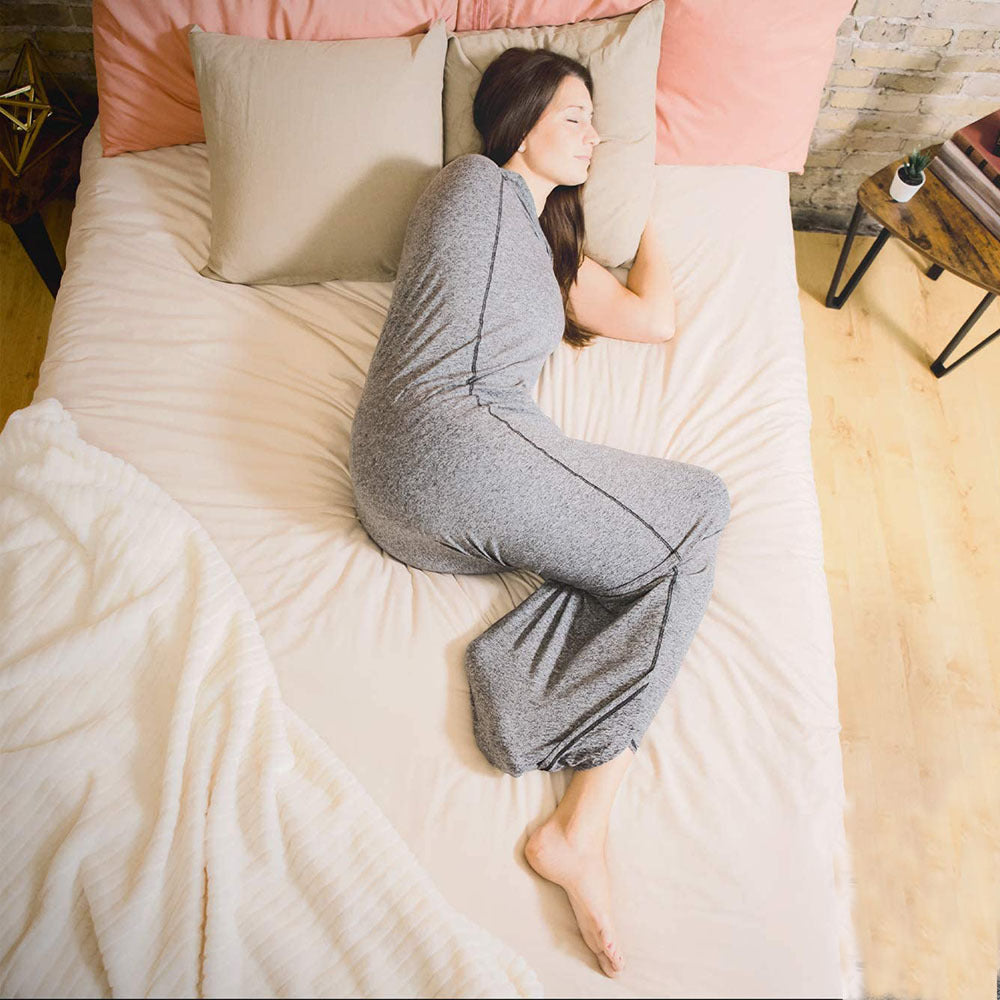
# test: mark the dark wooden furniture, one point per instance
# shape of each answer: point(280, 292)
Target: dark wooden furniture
point(57, 173)
point(937, 224)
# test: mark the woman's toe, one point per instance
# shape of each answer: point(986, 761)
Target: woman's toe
point(607, 966)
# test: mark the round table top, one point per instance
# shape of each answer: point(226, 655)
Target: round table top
point(937, 224)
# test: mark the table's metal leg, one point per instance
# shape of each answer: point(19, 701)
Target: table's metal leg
point(934, 272)
point(38, 246)
point(937, 366)
point(834, 301)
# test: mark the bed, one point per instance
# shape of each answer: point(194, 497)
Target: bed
point(727, 846)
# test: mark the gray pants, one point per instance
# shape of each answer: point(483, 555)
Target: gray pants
point(626, 545)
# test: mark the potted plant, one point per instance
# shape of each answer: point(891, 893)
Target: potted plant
point(909, 178)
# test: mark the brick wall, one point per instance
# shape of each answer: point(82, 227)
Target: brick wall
point(906, 73)
point(61, 30)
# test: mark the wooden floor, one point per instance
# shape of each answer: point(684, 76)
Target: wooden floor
point(908, 479)
point(908, 473)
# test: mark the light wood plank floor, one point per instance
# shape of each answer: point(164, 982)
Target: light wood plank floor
point(909, 485)
point(908, 473)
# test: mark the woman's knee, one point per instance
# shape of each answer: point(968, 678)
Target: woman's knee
point(710, 511)
point(707, 497)
point(718, 502)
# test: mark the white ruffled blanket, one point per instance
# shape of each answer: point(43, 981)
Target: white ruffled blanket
point(169, 826)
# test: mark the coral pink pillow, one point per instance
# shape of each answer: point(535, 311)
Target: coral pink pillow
point(738, 81)
point(145, 81)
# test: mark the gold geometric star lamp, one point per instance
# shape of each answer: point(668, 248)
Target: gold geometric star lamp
point(27, 104)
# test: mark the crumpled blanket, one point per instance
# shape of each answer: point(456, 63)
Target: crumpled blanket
point(169, 826)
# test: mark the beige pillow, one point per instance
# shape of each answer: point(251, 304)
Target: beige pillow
point(317, 151)
point(622, 54)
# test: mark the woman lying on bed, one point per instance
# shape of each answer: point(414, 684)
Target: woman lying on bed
point(457, 470)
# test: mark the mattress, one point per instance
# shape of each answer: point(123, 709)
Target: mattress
point(727, 848)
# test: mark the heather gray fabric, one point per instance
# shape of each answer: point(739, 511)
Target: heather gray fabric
point(457, 470)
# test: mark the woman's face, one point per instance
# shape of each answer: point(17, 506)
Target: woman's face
point(562, 141)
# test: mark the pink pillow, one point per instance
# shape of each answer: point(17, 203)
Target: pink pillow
point(145, 81)
point(738, 81)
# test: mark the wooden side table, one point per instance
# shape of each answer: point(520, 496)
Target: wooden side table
point(21, 198)
point(937, 224)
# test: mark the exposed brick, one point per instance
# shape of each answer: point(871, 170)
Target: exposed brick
point(800, 193)
point(852, 77)
point(976, 39)
point(846, 27)
point(916, 125)
point(808, 182)
point(851, 98)
point(843, 49)
point(877, 30)
point(983, 85)
point(917, 83)
point(11, 39)
point(929, 37)
point(869, 163)
point(823, 158)
point(887, 8)
point(869, 98)
point(842, 190)
point(70, 64)
point(875, 142)
point(839, 118)
point(958, 12)
point(895, 58)
point(82, 15)
point(827, 139)
point(817, 220)
point(65, 41)
point(795, 189)
point(971, 62)
point(36, 14)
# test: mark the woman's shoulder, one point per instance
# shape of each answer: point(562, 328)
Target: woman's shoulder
point(459, 193)
point(474, 162)
point(464, 185)
point(470, 170)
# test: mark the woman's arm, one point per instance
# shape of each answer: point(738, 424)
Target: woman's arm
point(641, 310)
point(650, 279)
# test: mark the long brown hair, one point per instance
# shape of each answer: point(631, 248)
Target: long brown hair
point(515, 89)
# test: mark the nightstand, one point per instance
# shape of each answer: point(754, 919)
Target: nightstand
point(57, 173)
point(940, 227)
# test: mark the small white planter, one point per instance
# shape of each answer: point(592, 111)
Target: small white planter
point(900, 190)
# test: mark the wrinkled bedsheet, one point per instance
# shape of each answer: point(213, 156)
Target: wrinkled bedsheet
point(727, 848)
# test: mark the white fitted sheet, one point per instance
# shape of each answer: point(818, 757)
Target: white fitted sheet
point(727, 848)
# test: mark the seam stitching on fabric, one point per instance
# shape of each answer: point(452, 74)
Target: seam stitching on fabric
point(659, 639)
point(663, 622)
point(486, 293)
point(561, 752)
point(645, 572)
point(656, 655)
point(615, 499)
point(539, 236)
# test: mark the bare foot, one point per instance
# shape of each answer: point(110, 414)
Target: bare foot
point(579, 867)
